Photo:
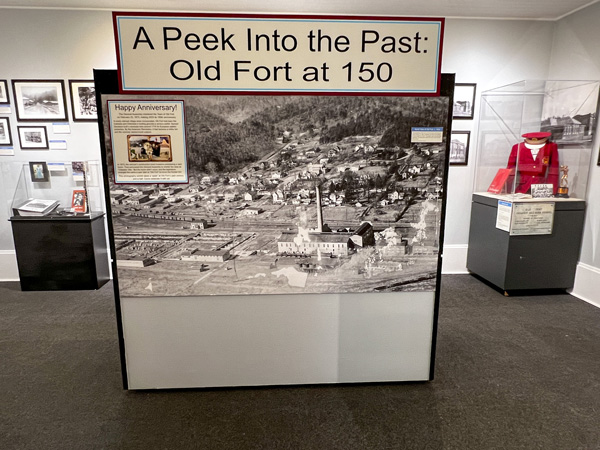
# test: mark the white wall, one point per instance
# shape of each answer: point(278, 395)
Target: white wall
point(576, 55)
point(491, 53)
point(49, 44)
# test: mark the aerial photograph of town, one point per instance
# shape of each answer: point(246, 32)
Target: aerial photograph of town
point(289, 194)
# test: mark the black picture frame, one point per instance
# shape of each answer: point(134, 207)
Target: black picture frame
point(464, 101)
point(5, 136)
point(83, 100)
point(4, 97)
point(459, 148)
point(39, 171)
point(33, 138)
point(40, 100)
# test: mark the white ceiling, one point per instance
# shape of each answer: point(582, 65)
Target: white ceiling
point(506, 9)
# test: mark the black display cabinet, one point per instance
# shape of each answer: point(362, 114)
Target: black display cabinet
point(58, 228)
point(61, 253)
point(545, 261)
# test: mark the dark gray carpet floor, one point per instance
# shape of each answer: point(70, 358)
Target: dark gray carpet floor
point(511, 373)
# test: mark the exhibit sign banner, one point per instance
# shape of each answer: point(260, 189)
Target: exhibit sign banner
point(148, 141)
point(213, 53)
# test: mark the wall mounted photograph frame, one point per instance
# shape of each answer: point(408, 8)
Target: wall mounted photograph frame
point(39, 171)
point(5, 136)
point(83, 100)
point(459, 148)
point(40, 100)
point(464, 101)
point(4, 99)
point(33, 138)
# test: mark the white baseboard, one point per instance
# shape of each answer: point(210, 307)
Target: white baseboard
point(455, 259)
point(587, 280)
point(8, 266)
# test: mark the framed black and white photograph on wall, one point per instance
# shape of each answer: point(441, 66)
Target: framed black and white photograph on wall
point(459, 148)
point(5, 138)
point(40, 100)
point(464, 100)
point(83, 100)
point(33, 138)
point(4, 100)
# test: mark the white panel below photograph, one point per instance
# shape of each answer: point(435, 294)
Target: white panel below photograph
point(188, 342)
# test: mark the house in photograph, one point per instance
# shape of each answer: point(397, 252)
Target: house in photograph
point(458, 150)
point(252, 211)
point(364, 235)
point(205, 255)
point(564, 128)
point(461, 108)
point(230, 196)
point(116, 199)
point(199, 224)
point(278, 196)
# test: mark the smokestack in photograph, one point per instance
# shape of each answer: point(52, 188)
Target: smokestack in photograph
point(319, 210)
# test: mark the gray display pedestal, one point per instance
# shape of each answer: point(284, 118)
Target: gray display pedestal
point(525, 262)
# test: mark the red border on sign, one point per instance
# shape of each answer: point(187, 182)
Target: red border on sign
point(441, 20)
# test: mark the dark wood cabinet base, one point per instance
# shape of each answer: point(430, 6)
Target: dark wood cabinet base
point(61, 253)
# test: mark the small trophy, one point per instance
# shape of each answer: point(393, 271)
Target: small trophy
point(563, 184)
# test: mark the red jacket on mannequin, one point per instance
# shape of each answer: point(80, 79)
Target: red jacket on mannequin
point(542, 168)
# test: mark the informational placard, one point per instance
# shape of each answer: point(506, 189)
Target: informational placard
point(61, 128)
point(532, 218)
point(542, 190)
point(503, 215)
point(57, 144)
point(148, 141)
point(187, 53)
point(430, 135)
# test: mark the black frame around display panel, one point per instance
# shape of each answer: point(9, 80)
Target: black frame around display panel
point(106, 82)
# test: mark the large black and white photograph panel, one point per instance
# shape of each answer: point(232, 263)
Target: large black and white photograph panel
point(464, 101)
point(5, 137)
point(83, 100)
point(459, 148)
point(40, 100)
point(4, 100)
point(289, 194)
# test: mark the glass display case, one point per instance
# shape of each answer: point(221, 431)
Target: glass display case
point(509, 164)
point(528, 208)
point(58, 226)
point(53, 189)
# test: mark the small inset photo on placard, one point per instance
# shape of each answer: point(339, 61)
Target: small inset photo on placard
point(149, 148)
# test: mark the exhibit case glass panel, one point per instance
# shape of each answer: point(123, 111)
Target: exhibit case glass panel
point(553, 160)
point(66, 189)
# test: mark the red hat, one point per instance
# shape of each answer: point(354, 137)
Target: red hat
point(537, 135)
